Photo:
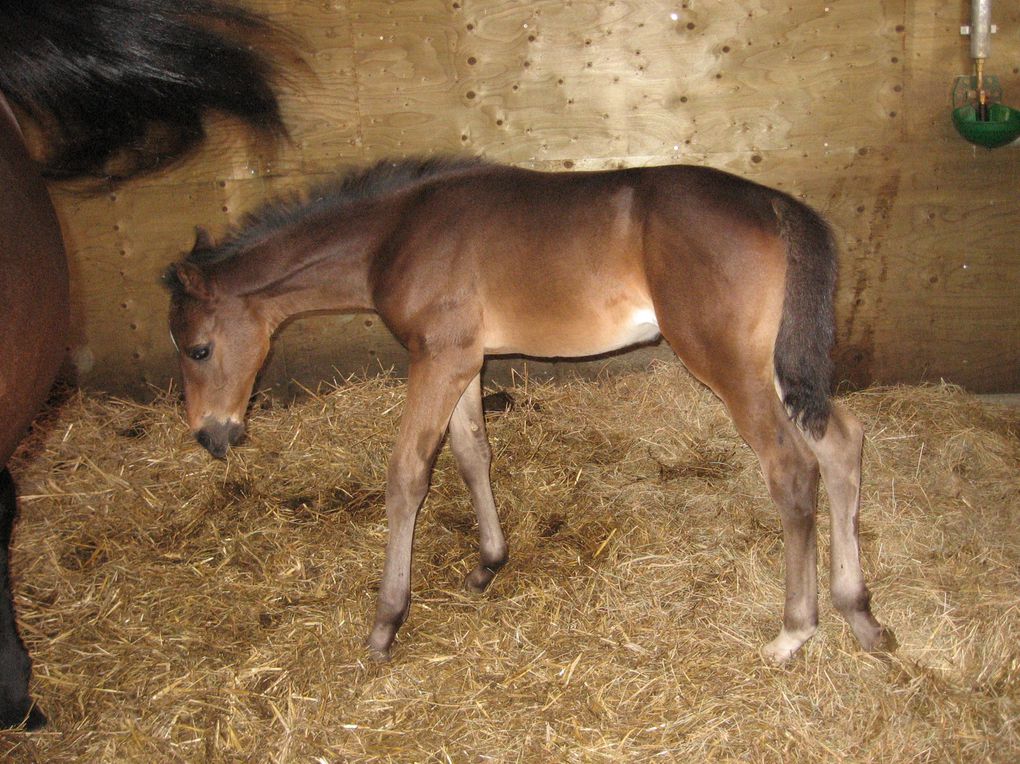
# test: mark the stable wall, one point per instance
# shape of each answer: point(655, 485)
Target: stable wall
point(844, 104)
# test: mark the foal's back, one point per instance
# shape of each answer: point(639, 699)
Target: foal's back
point(570, 264)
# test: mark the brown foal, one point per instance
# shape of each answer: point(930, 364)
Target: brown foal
point(467, 259)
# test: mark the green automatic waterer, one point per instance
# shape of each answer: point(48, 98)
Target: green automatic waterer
point(1002, 127)
point(978, 112)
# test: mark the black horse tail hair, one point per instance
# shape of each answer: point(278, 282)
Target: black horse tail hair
point(101, 77)
point(802, 360)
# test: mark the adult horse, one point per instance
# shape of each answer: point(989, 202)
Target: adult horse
point(112, 89)
point(465, 260)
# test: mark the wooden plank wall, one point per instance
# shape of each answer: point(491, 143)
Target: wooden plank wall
point(843, 103)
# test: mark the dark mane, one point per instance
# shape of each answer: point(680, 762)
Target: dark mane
point(383, 178)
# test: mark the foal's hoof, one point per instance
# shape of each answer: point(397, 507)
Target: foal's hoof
point(478, 580)
point(379, 644)
point(872, 636)
point(378, 651)
point(786, 645)
point(884, 642)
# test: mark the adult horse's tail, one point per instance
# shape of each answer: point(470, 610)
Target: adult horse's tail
point(807, 329)
point(98, 76)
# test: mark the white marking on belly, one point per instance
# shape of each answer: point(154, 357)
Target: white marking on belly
point(643, 316)
point(642, 327)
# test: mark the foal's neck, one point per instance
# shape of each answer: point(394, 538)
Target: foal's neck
point(321, 263)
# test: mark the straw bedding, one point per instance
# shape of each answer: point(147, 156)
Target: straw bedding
point(184, 609)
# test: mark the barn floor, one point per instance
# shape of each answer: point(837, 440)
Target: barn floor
point(183, 609)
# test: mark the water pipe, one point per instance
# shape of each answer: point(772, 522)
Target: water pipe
point(981, 48)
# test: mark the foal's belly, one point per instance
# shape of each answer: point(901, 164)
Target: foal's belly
point(571, 335)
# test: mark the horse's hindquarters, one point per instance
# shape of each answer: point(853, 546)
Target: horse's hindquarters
point(33, 290)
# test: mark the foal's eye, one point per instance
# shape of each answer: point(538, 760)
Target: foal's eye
point(199, 353)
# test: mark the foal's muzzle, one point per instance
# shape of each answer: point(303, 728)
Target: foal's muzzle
point(216, 436)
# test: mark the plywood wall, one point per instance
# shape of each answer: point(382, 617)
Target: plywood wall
point(842, 103)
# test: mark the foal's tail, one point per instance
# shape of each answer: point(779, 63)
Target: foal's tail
point(105, 75)
point(807, 328)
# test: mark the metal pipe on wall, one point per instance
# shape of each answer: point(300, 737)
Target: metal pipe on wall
point(980, 28)
point(980, 47)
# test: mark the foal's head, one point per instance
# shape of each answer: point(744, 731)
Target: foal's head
point(222, 342)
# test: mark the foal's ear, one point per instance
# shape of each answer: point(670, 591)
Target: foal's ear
point(193, 281)
point(203, 241)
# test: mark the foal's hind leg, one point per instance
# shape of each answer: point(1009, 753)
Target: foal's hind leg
point(434, 385)
point(791, 473)
point(471, 450)
point(839, 455)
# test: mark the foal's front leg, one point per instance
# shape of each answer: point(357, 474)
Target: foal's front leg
point(434, 386)
point(471, 450)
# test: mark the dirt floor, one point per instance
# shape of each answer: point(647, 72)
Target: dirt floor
point(184, 609)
